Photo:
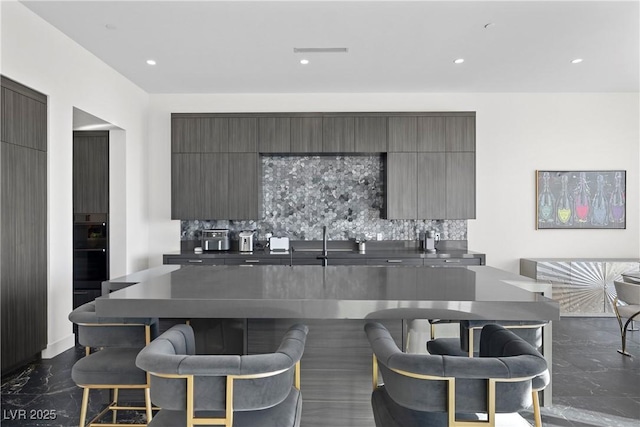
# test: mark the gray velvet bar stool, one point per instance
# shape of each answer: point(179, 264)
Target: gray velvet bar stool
point(261, 390)
point(468, 345)
point(447, 391)
point(112, 366)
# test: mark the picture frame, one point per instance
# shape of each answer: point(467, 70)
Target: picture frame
point(581, 199)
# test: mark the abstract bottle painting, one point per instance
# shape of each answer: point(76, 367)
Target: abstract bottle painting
point(581, 199)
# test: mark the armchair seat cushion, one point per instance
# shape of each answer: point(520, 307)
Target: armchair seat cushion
point(109, 366)
point(388, 413)
point(285, 414)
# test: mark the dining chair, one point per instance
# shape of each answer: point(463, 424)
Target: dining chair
point(626, 305)
point(448, 391)
point(261, 390)
point(111, 365)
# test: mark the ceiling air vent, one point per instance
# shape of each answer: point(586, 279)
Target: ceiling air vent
point(320, 50)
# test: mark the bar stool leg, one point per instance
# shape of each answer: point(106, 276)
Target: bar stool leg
point(115, 403)
point(536, 409)
point(85, 403)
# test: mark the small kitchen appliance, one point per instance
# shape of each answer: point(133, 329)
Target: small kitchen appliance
point(215, 240)
point(279, 243)
point(246, 241)
point(429, 242)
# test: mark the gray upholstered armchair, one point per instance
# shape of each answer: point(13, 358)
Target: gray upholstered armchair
point(260, 390)
point(430, 390)
point(118, 341)
point(626, 306)
point(467, 344)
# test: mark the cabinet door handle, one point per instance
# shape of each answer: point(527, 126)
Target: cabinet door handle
point(195, 261)
point(394, 261)
point(252, 260)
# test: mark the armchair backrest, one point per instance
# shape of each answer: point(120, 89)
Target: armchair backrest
point(628, 292)
point(179, 378)
point(97, 331)
point(459, 384)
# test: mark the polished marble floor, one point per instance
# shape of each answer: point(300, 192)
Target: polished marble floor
point(594, 386)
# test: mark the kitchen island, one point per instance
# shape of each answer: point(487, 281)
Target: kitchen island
point(335, 302)
point(333, 292)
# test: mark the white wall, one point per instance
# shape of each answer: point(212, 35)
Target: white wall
point(39, 56)
point(516, 134)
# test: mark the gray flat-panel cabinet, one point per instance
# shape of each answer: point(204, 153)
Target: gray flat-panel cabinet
point(186, 135)
point(186, 186)
point(306, 134)
point(214, 186)
point(24, 117)
point(403, 133)
point(274, 134)
point(401, 186)
point(461, 185)
point(23, 225)
point(432, 186)
point(338, 134)
point(371, 134)
point(199, 134)
point(424, 183)
point(431, 134)
point(244, 186)
point(91, 172)
point(214, 134)
point(243, 134)
point(461, 133)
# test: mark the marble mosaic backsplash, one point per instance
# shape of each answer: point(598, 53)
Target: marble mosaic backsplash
point(300, 194)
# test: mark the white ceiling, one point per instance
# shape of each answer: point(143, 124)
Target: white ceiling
point(393, 46)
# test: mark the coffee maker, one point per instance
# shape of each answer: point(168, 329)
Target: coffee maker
point(429, 241)
point(246, 241)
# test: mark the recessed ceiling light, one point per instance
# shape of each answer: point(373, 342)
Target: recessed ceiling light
point(458, 61)
point(576, 61)
point(304, 61)
point(489, 25)
point(151, 62)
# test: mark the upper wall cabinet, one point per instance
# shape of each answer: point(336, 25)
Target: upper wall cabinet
point(306, 134)
point(460, 133)
point(243, 135)
point(430, 161)
point(443, 184)
point(338, 134)
point(371, 134)
point(199, 134)
point(403, 132)
point(274, 134)
point(431, 134)
point(24, 116)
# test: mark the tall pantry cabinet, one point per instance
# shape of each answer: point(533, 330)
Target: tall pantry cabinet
point(23, 223)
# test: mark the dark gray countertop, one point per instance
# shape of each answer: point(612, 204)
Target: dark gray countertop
point(334, 253)
point(334, 292)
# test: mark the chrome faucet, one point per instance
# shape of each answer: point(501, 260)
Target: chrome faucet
point(324, 240)
point(325, 252)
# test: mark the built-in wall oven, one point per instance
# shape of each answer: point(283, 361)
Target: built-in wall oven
point(90, 256)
